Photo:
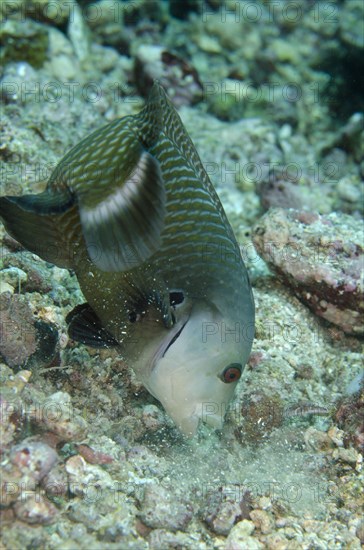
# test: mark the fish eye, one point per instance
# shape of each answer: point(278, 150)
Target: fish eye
point(176, 297)
point(133, 316)
point(231, 373)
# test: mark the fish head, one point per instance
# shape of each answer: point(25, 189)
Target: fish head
point(196, 369)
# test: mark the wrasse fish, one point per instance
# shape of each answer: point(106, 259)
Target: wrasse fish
point(132, 211)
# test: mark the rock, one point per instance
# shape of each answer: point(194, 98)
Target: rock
point(153, 418)
point(360, 531)
point(336, 436)
point(7, 423)
point(175, 74)
point(181, 10)
point(62, 64)
point(24, 40)
point(34, 459)
point(58, 415)
point(350, 138)
point(55, 483)
point(53, 12)
point(350, 417)
point(92, 456)
point(10, 406)
point(79, 34)
point(276, 541)
point(245, 527)
point(260, 414)
point(17, 330)
point(106, 18)
point(87, 479)
point(349, 189)
point(161, 539)
point(351, 23)
point(162, 509)
point(25, 466)
point(225, 507)
point(24, 272)
point(321, 258)
point(13, 276)
point(208, 44)
point(13, 80)
point(279, 193)
point(34, 509)
point(224, 517)
point(346, 455)
point(47, 345)
point(5, 287)
point(262, 520)
point(317, 440)
point(239, 537)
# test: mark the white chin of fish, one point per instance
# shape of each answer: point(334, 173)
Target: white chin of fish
point(189, 425)
point(187, 408)
point(179, 381)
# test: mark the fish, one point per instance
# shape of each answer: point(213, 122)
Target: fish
point(132, 212)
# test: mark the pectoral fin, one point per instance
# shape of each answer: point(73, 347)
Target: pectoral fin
point(123, 229)
point(85, 327)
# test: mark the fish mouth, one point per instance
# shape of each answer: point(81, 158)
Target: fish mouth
point(174, 338)
point(173, 335)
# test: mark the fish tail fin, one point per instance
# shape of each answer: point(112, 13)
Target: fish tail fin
point(37, 222)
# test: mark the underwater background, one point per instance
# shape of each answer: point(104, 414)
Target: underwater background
point(272, 95)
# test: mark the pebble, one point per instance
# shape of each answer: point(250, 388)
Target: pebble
point(55, 483)
point(34, 459)
point(208, 44)
point(37, 277)
point(360, 531)
point(225, 517)
point(79, 33)
point(162, 509)
point(337, 436)
point(161, 539)
point(62, 62)
point(13, 276)
point(35, 509)
point(276, 541)
point(317, 440)
point(85, 479)
point(349, 189)
point(262, 520)
point(179, 79)
point(153, 418)
point(5, 287)
point(17, 330)
point(346, 455)
point(58, 415)
point(18, 382)
point(239, 537)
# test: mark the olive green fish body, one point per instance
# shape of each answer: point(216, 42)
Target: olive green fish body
point(133, 212)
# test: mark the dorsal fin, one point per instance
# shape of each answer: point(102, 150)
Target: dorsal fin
point(160, 115)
